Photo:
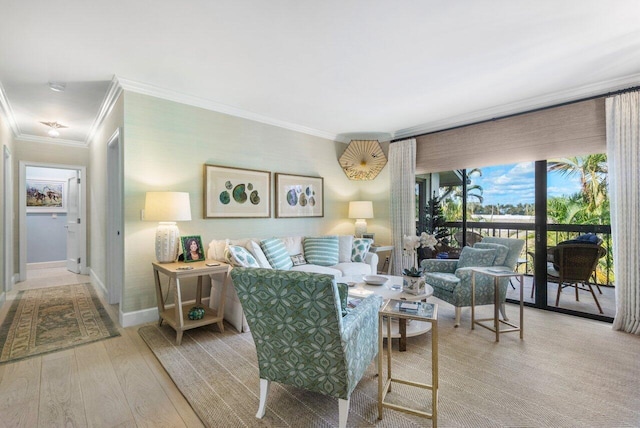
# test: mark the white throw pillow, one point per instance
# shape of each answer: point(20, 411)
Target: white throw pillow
point(345, 243)
point(257, 252)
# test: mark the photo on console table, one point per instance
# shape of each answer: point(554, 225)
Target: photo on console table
point(192, 249)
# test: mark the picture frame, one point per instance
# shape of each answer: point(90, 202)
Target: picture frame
point(236, 193)
point(299, 196)
point(186, 242)
point(46, 196)
point(369, 236)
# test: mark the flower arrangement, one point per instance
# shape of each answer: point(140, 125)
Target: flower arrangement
point(410, 247)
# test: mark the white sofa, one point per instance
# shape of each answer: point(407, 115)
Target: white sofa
point(295, 245)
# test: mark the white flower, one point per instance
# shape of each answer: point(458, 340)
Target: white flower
point(410, 243)
point(427, 240)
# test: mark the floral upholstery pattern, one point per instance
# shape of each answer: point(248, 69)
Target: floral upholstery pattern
point(453, 284)
point(301, 337)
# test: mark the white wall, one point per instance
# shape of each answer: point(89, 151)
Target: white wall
point(166, 145)
point(6, 139)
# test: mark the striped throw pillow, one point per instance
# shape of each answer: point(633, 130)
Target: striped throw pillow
point(322, 251)
point(276, 253)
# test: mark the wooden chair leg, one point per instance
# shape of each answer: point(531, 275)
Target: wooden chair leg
point(594, 297)
point(533, 287)
point(558, 295)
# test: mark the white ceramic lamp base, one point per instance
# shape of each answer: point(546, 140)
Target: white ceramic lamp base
point(361, 227)
point(167, 242)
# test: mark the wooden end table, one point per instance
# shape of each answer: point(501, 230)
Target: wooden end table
point(177, 317)
point(425, 312)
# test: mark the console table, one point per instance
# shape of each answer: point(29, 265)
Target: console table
point(389, 260)
point(177, 317)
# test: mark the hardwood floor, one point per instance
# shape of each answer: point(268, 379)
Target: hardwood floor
point(113, 382)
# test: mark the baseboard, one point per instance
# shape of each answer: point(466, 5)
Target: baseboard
point(96, 281)
point(47, 265)
point(143, 316)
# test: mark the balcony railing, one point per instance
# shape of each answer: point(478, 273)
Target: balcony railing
point(555, 233)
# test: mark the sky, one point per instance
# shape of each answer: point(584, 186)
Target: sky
point(514, 183)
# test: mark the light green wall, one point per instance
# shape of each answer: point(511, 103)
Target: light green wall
point(97, 213)
point(166, 145)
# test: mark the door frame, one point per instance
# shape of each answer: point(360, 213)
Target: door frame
point(115, 218)
point(82, 213)
point(7, 227)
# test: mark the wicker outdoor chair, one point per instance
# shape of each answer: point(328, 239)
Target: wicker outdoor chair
point(573, 266)
point(472, 238)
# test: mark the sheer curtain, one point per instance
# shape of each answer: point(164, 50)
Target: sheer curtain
point(623, 157)
point(402, 160)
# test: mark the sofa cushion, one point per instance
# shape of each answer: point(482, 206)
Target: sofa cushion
point(360, 249)
point(351, 268)
point(293, 244)
point(476, 257)
point(501, 251)
point(318, 269)
point(345, 243)
point(236, 255)
point(321, 250)
point(443, 280)
point(257, 252)
point(276, 253)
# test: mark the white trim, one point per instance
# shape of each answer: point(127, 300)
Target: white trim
point(46, 265)
point(95, 280)
point(547, 100)
point(7, 111)
point(168, 94)
point(144, 316)
point(109, 101)
point(49, 140)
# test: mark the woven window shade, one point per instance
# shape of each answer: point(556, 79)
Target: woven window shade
point(569, 130)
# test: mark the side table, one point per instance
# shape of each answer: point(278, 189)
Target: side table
point(496, 274)
point(420, 311)
point(177, 317)
point(388, 261)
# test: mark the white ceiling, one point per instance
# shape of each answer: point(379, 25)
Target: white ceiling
point(333, 68)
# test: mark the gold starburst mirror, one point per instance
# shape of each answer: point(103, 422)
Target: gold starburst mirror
point(363, 160)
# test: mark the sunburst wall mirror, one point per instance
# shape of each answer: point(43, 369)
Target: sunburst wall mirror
point(363, 160)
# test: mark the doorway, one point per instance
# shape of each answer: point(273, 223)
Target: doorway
point(52, 214)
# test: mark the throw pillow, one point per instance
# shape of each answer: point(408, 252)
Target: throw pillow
point(501, 251)
point(360, 249)
point(298, 260)
point(276, 253)
point(321, 251)
point(236, 255)
point(346, 242)
point(476, 257)
point(257, 252)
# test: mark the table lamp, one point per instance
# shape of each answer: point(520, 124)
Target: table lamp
point(361, 210)
point(167, 208)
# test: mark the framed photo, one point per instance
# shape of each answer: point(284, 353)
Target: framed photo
point(369, 236)
point(299, 196)
point(46, 196)
point(192, 249)
point(236, 193)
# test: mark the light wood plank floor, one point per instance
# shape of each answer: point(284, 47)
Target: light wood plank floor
point(114, 382)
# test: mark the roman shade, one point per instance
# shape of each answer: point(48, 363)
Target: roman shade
point(568, 130)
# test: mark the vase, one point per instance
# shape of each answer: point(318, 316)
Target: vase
point(413, 284)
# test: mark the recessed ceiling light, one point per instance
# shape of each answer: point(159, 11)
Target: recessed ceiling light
point(53, 132)
point(57, 86)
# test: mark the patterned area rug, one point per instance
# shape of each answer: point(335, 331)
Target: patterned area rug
point(45, 320)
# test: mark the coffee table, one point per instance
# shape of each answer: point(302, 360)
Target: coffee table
point(399, 328)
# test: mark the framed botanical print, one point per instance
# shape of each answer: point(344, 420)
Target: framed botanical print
point(299, 196)
point(236, 193)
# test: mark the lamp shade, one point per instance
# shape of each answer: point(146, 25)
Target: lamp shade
point(360, 209)
point(167, 206)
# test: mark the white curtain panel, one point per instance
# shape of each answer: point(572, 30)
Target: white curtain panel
point(623, 157)
point(402, 161)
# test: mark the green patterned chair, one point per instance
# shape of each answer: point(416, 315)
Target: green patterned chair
point(451, 279)
point(301, 336)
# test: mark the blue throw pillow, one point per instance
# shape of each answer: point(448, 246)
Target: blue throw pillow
point(322, 251)
point(476, 257)
point(360, 249)
point(276, 253)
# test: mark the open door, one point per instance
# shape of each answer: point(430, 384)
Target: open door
point(73, 225)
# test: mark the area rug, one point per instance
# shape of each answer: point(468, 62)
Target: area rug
point(566, 372)
point(50, 319)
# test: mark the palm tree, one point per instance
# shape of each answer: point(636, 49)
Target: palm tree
point(592, 171)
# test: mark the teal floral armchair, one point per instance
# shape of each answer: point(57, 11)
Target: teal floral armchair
point(301, 335)
point(451, 279)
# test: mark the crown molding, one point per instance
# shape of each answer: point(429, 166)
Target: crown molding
point(49, 140)
point(7, 112)
point(109, 101)
point(548, 100)
point(167, 94)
